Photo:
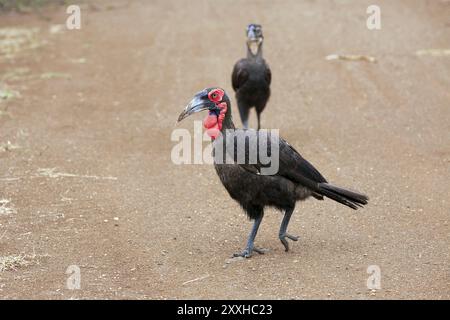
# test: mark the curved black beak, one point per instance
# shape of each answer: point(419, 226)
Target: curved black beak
point(200, 102)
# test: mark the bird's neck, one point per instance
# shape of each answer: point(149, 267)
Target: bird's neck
point(228, 121)
point(257, 55)
point(216, 124)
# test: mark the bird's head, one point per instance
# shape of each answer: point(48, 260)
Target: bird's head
point(254, 36)
point(216, 102)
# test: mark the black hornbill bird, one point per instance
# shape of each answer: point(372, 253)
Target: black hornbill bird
point(296, 179)
point(251, 77)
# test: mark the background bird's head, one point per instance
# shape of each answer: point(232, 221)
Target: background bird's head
point(216, 102)
point(254, 36)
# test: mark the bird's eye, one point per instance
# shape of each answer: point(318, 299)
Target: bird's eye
point(215, 95)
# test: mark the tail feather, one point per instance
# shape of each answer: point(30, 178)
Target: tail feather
point(346, 197)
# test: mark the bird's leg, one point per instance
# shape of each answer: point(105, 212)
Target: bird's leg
point(244, 111)
point(247, 253)
point(283, 228)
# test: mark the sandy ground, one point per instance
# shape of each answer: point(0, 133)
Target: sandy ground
point(87, 179)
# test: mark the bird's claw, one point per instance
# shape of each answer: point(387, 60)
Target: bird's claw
point(248, 252)
point(284, 241)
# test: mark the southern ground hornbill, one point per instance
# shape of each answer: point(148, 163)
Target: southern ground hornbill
point(251, 77)
point(296, 179)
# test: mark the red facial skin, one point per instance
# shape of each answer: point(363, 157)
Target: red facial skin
point(213, 123)
point(216, 95)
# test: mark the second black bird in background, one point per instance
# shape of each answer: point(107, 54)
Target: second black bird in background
point(251, 77)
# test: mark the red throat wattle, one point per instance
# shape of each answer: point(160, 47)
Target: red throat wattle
point(213, 123)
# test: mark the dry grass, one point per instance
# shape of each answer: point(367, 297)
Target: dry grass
point(14, 40)
point(7, 93)
point(6, 208)
point(26, 5)
point(14, 262)
point(7, 147)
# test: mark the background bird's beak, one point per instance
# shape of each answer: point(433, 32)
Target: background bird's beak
point(254, 36)
point(254, 39)
point(251, 35)
point(196, 105)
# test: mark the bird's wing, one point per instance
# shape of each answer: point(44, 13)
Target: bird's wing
point(251, 168)
point(293, 164)
point(240, 74)
point(268, 75)
point(254, 150)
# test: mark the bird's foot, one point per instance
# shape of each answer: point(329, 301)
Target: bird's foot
point(248, 252)
point(284, 241)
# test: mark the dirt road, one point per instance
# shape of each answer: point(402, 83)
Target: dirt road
point(86, 177)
